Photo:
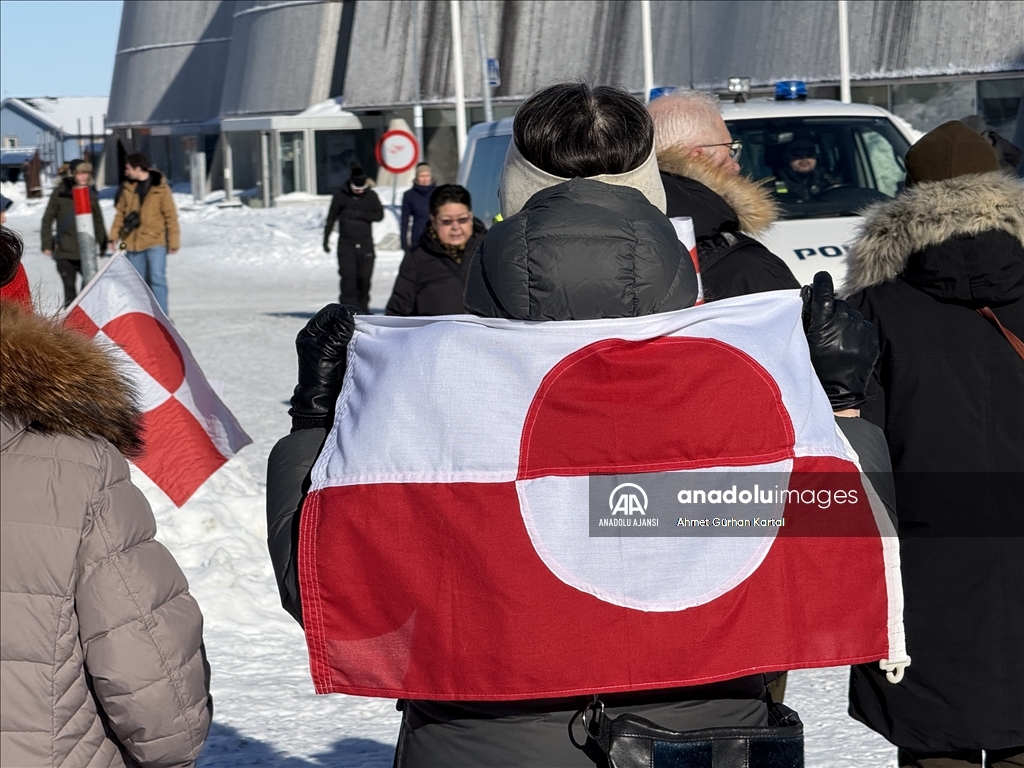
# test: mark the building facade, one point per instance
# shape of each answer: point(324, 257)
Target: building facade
point(284, 94)
point(60, 129)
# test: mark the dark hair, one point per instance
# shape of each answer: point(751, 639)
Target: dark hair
point(10, 254)
point(449, 193)
point(137, 160)
point(573, 130)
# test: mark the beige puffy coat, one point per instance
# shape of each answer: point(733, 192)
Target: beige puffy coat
point(102, 662)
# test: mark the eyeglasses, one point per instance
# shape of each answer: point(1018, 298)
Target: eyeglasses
point(801, 154)
point(735, 147)
point(461, 221)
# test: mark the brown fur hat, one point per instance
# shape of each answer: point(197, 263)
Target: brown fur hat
point(58, 381)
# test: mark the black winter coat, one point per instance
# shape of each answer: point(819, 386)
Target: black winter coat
point(725, 209)
point(950, 397)
point(415, 215)
point(431, 281)
point(60, 214)
point(354, 214)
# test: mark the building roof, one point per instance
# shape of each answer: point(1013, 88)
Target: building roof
point(63, 113)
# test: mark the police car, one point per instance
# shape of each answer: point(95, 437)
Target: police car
point(824, 161)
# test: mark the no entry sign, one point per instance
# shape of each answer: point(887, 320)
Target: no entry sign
point(397, 151)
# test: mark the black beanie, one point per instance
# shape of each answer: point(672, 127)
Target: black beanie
point(358, 177)
point(950, 150)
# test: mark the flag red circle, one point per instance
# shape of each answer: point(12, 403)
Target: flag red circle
point(146, 341)
point(662, 404)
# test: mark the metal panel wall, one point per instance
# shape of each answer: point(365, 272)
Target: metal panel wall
point(170, 63)
point(696, 42)
point(282, 56)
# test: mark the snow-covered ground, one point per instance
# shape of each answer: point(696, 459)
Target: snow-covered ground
point(243, 284)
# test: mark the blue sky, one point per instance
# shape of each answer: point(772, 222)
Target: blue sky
point(58, 48)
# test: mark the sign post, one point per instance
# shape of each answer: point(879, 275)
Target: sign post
point(397, 151)
point(85, 232)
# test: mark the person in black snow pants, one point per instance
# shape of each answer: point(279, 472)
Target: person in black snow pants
point(354, 207)
point(571, 247)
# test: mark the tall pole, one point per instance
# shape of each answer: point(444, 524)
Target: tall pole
point(417, 108)
point(645, 26)
point(844, 52)
point(460, 79)
point(485, 86)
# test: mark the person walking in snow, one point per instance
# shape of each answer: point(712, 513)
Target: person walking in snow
point(62, 245)
point(416, 208)
point(432, 277)
point(354, 208)
point(940, 271)
point(146, 224)
point(103, 662)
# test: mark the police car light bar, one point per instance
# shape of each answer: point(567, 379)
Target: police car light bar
point(790, 89)
point(739, 85)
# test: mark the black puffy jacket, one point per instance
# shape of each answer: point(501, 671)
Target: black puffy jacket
point(432, 280)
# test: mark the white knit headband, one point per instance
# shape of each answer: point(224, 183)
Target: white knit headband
point(521, 180)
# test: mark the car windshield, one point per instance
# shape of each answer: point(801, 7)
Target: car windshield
point(485, 175)
point(823, 166)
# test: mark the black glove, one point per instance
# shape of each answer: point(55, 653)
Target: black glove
point(843, 345)
point(327, 244)
point(322, 347)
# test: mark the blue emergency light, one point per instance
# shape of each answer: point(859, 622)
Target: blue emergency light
point(790, 89)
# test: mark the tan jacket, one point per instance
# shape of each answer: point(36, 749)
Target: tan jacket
point(102, 662)
point(159, 217)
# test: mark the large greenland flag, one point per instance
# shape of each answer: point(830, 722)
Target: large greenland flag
point(509, 510)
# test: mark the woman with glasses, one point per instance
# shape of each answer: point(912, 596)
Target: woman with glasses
point(432, 278)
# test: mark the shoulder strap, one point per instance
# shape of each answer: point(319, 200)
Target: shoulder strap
point(711, 250)
point(1017, 344)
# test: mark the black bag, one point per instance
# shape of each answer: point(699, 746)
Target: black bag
point(131, 222)
point(630, 741)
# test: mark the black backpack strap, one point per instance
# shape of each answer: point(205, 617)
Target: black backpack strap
point(711, 250)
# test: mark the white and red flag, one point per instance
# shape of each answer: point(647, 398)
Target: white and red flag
point(189, 433)
point(465, 533)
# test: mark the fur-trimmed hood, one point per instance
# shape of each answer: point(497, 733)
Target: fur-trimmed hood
point(754, 206)
point(931, 214)
point(60, 382)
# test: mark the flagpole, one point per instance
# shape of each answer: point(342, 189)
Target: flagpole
point(91, 283)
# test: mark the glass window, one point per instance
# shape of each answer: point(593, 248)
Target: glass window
point(823, 166)
point(999, 102)
point(929, 105)
point(335, 153)
point(292, 162)
point(485, 175)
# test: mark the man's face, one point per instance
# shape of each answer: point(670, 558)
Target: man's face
point(82, 178)
point(802, 159)
point(135, 174)
point(719, 155)
point(424, 178)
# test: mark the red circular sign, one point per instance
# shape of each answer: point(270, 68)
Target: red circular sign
point(397, 151)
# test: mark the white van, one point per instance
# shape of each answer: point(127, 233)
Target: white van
point(858, 147)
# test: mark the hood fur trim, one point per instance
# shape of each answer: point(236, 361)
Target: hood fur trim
point(755, 206)
point(927, 214)
point(59, 381)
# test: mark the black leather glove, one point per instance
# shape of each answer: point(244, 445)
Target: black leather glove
point(327, 244)
point(843, 345)
point(322, 347)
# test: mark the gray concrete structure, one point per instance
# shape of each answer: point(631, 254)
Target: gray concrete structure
point(320, 80)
